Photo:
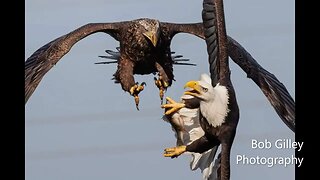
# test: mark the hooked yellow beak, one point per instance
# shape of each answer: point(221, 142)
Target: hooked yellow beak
point(152, 36)
point(195, 88)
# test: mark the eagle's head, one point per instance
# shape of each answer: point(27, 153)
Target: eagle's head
point(213, 100)
point(152, 30)
point(201, 89)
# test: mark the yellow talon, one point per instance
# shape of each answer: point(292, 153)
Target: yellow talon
point(175, 151)
point(171, 101)
point(140, 88)
point(134, 91)
point(137, 100)
point(173, 106)
point(165, 84)
point(161, 94)
point(157, 82)
point(162, 85)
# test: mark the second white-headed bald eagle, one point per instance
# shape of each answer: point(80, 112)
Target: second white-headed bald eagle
point(202, 122)
point(185, 123)
point(219, 111)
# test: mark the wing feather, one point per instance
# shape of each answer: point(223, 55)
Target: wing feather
point(210, 32)
point(190, 28)
point(273, 89)
point(41, 61)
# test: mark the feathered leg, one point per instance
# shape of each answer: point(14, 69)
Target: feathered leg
point(164, 80)
point(124, 76)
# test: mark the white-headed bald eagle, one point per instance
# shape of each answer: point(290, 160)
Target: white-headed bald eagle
point(218, 107)
point(202, 108)
point(186, 123)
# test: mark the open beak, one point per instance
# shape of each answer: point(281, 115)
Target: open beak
point(153, 37)
point(194, 89)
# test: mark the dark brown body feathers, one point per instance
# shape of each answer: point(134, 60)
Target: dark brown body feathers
point(138, 55)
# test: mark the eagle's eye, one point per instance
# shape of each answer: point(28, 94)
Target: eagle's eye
point(205, 89)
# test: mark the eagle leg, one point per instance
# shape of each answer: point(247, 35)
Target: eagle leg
point(172, 106)
point(174, 151)
point(124, 76)
point(164, 80)
point(135, 90)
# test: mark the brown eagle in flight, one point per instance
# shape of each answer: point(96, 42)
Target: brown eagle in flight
point(144, 49)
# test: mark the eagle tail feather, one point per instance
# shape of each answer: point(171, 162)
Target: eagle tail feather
point(205, 162)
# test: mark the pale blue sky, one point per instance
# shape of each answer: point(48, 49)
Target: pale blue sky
point(80, 125)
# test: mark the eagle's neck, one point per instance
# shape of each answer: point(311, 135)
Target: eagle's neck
point(216, 109)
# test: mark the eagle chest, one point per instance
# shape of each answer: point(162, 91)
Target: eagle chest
point(208, 129)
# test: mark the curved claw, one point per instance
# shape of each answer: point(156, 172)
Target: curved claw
point(174, 152)
point(135, 90)
point(143, 84)
point(172, 106)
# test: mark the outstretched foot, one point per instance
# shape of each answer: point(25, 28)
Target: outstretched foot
point(135, 90)
point(174, 152)
point(172, 106)
point(162, 85)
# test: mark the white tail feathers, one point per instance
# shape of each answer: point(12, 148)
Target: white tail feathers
point(205, 162)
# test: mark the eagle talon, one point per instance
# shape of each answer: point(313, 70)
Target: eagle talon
point(161, 94)
point(172, 106)
point(162, 85)
point(136, 100)
point(135, 90)
point(174, 152)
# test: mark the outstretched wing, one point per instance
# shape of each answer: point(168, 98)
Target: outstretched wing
point(190, 28)
point(41, 61)
point(272, 88)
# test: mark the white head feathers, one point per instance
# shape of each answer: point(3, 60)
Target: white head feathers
point(215, 107)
